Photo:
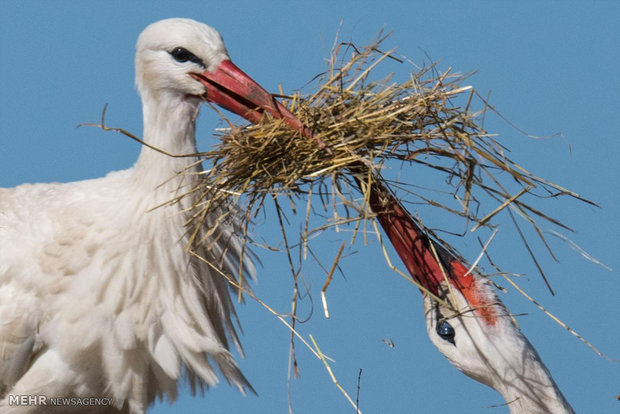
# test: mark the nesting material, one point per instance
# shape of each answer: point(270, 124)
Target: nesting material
point(360, 125)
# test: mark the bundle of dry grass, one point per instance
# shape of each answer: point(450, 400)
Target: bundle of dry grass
point(358, 125)
point(355, 123)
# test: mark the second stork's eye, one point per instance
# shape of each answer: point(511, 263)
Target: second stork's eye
point(180, 54)
point(446, 331)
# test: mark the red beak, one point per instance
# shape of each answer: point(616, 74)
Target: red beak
point(232, 89)
point(429, 263)
point(431, 266)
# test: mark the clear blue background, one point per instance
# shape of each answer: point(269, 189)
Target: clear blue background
point(550, 67)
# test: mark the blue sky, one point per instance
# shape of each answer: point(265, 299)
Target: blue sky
point(549, 68)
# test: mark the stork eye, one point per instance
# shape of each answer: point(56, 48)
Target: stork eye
point(446, 331)
point(180, 54)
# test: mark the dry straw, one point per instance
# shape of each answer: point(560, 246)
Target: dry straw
point(359, 125)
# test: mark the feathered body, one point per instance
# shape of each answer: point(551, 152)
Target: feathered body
point(99, 296)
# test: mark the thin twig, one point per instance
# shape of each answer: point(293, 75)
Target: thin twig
point(329, 279)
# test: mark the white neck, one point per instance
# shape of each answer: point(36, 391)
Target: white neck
point(169, 125)
point(530, 387)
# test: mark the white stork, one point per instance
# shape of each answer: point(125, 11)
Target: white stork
point(466, 320)
point(98, 295)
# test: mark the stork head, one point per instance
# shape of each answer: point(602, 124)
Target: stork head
point(473, 329)
point(181, 59)
point(169, 51)
point(478, 338)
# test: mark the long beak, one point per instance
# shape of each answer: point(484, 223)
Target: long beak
point(431, 265)
point(232, 89)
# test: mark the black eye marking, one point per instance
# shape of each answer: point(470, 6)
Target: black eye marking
point(180, 54)
point(446, 331)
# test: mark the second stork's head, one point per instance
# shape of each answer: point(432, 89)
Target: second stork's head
point(473, 329)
